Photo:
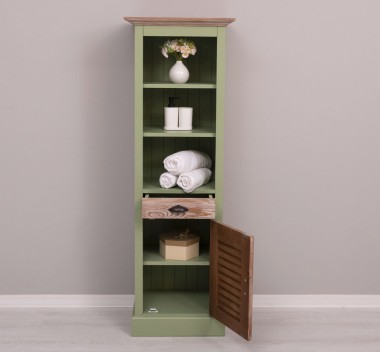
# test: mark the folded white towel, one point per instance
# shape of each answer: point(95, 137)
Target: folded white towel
point(168, 180)
point(189, 181)
point(186, 161)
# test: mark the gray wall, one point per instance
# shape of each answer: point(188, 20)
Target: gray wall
point(302, 142)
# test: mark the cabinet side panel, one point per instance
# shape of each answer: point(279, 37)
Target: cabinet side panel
point(219, 152)
point(138, 169)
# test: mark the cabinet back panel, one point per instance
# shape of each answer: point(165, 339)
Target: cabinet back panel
point(201, 100)
point(157, 149)
point(202, 65)
point(153, 228)
point(182, 278)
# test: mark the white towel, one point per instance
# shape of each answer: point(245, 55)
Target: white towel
point(168, 180)
point(189, 181)
point(186, 161)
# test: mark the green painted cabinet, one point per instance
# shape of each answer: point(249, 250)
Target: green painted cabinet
point(179, 298)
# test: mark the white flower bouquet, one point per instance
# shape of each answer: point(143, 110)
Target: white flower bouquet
point(178, 48)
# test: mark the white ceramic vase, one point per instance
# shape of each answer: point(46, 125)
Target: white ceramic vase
point(179, 73)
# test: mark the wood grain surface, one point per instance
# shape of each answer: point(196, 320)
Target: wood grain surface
point(158, 208)
point(231, 271)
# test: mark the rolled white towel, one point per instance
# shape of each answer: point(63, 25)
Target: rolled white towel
point(189, 181)
point(167, 180)
point(186, 161)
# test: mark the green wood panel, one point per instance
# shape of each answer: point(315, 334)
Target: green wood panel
point(147, 270)
point(180, 277)
point(176, 31)
point(192, 278)
point(175, 325)
point(160, 149)
point(202, 66)
point(200, 132)
point(153, 228)
point(152, 185)
point(169, 277)
point(147, 157)
point(138, 169)
point(161, 274)
point(176, 302)
point(206, 107)
point(157, 149)
point(157, 278)
point(152, 257)
point(171, 286)
point(219, 152)
point(174, 277)
point(168, 85)
point(203, 280)
point(202, 101)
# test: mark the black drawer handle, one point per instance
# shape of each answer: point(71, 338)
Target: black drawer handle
point(178, 209)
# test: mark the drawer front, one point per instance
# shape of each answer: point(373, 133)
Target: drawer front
point(178, 208)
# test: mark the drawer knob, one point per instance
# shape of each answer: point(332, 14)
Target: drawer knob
point(178, 209)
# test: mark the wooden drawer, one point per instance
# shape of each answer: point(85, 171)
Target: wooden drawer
point(178, 208)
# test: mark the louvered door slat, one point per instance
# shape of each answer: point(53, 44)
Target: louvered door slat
point(231, 267)
point(227, 295)
point(222, 285)
point(226, 272)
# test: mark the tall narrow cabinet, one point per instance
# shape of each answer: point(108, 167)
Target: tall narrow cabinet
point(200, 296)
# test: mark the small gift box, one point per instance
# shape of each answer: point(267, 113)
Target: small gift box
point(179, 245)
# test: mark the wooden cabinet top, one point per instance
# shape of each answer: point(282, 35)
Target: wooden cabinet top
point(179, 21)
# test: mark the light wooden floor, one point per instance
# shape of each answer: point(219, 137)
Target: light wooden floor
point(107, 330)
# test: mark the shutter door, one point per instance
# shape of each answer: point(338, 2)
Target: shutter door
point(231, 268)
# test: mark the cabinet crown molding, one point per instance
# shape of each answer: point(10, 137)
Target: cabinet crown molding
point(179, 21)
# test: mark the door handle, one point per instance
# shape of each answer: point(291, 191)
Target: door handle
point(178, 209)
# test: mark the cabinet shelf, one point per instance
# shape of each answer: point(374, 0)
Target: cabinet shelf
point(153, 257)
point(195, 132)
point(153, 186)
point(176, 302)
point(179, 85)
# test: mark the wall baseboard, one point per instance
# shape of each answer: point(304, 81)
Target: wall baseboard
point(63, 301)
point(259, 301)
point(316, 301)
